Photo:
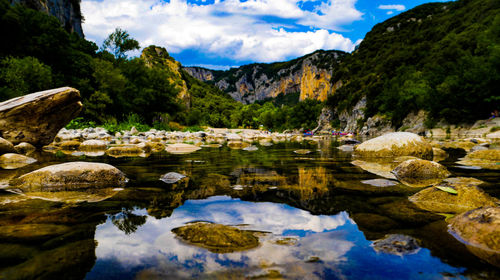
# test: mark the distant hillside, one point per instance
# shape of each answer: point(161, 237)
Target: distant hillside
point(443, 58)
point(305, 77)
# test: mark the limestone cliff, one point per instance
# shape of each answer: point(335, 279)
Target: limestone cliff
point(158, 56)
point(66, 11)
point(308, 77)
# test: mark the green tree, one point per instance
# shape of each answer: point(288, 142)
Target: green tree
point(20, 76)
point(119, 42)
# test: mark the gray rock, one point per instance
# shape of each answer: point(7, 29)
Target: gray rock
point(172, 177)
point(397, 244)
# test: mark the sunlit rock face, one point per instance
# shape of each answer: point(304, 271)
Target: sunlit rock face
point(480, 230)
point(36, 118)
point(305, 77)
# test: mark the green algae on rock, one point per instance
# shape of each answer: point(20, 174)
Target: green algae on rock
point(217, 238)
point(469, 196)
point(488, 159)
point(480, 230)
point(420, 173)
point(394, 145)
point(69, 177)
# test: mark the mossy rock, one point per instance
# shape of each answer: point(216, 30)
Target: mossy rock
point(439, 154)
point(217, 238)
point(238, 145)
point(460, 145)
point(125, 151)
point(69, 145)
point(6, 146)
point(480, 230)
point(14, 161)
point(420, 173)
point(32, 232)
point(25, 148)
point(488, 159)
point(93, 145)
point(469, 196)
point(70, 176)
point(394, 145)
point(493, 155)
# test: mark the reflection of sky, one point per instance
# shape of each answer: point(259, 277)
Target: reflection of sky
point(153, 251)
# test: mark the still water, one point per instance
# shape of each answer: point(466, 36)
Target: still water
point(313, 216)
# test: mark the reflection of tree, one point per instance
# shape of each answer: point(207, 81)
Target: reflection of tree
point(127, 221)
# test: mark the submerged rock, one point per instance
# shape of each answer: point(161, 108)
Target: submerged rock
point(439, 154)
point(469, 196)
point(181, 148)
point(380, 182)
point(394, 145)
point(36, 118)
point(420, 173)
point(84, 195)
point(302, 152)
point(172, 177)
point(480, 230)
point(70, 176)
point(380, 168)
point(14, 161)
point(217, 238)
point(397, 244)
point(251, 148)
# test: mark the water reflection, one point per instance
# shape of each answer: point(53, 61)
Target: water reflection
point(333, 243)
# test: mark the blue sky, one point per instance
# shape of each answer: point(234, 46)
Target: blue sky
point(219, 34)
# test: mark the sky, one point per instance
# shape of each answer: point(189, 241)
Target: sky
point(219, 34)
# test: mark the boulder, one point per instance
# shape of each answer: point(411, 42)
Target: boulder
point(14, 161)
point(25, 148)
point(125, 151)
point(181, 148)
point(237, 145)
point(439, 154)
point(70, 176)
point(92, 145)
point(394, 145)
point(172, 177)
point(488, 159)
point(468, 196)
point(36, 118)
point(217, 238)
point(6, 146)
point(420, 173)
point(70, 145)
point(480, 230)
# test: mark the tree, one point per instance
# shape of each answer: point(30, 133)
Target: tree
point(119, 42)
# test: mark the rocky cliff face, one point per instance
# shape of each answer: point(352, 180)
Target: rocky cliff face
point(66, 11)
point(308, 76)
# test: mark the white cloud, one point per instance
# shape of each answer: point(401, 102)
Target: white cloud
point(392, 7)
point(228, 29)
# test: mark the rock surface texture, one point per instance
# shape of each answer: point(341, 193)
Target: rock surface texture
point(36, 118)
point(70, 176)
point(394, 145)
point(480, 231)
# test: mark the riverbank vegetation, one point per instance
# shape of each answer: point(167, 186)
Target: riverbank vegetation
point(38, 54)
